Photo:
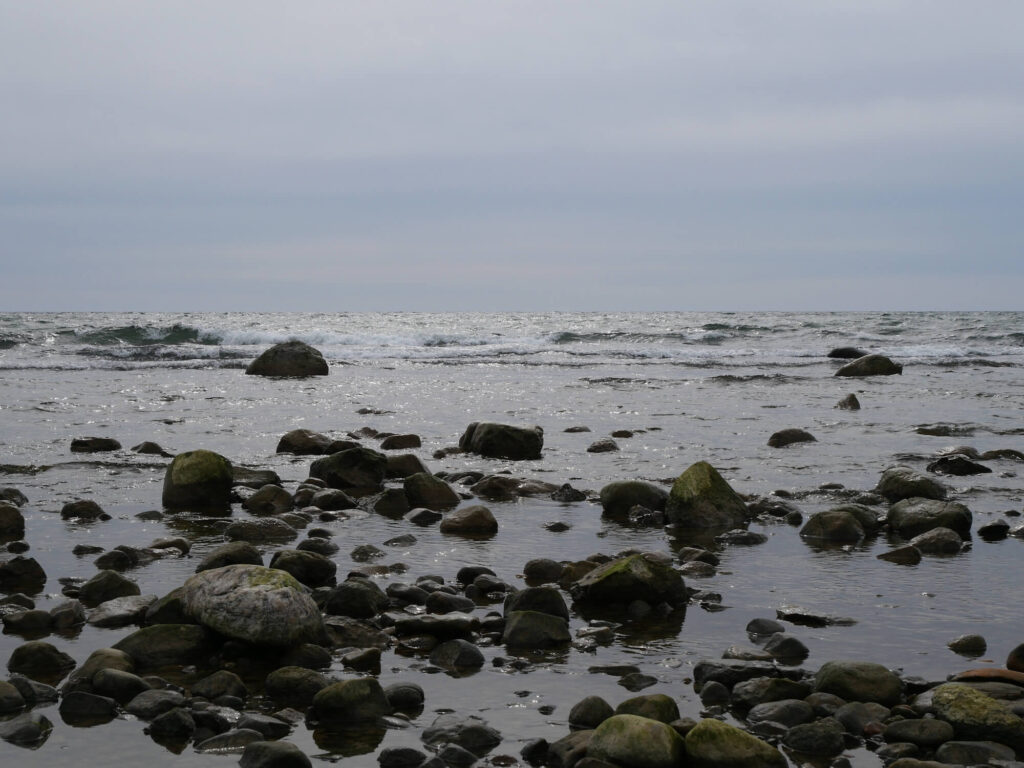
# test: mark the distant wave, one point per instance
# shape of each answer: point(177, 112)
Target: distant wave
point(703, 336)
point(136, 335)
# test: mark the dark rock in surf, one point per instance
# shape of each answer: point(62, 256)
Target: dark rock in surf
point(912, 517)
point(604, 445)
point(476, 520)
point(273, 754)
point(897, 483)
point(620, 582)
point(424, 490)
point(303, 442)
point(149, 448)
point(94, 445)
point(12, 521)
point(619, 497)
point(83, 509)
point(785, 437)
point(701, 498)
point(849, 403)
point(291, 359)
point(198, 480)
point(501, 441)
point(957, 465)
point(847, 353)
point(351, 468)
point(400, 442)
point(870, 365)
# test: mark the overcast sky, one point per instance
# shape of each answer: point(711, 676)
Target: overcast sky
point(497, 155)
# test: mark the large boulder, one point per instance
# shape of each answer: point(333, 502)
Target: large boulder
point(912, 517)
point(351, 468)
point(164, 644)
point(843, 524)
point(898, 483)
point(701, 498)
point(424, 490)
point(533, 629)
point(714, 744)
point(12, 522)
point(976, 716)
point(258, 605)
point(619, 497)
point(198, 480)
point(870, 365)
point(475, 520)
point(501, 441)
point(622, 581)
point(859, 681)
point(304, 442)
point(289, 358)
point(353, 700)
point(637, 742)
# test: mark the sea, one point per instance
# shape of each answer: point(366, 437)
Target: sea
point(684, 386)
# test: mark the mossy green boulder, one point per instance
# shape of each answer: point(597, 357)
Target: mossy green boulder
point(714, 744)
point(198, 480)
point(976, 716)
point(631, 741)
point(622, 581)
point(346, 701)
point(656, 706)
point(701, 498)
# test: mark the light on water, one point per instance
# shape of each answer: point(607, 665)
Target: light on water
point(689, 386)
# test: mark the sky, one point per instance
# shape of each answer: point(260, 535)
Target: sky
point(497, 155)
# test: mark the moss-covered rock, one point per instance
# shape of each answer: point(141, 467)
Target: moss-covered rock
point(701, 498)
point(198, 480)
point(654, 706)
point(622, 581)
point(714, 744)
point(637, 742)
point(352, 700)
point(859, 681)
point(977, 717)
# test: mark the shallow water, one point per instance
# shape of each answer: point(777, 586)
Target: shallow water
point(694, 387)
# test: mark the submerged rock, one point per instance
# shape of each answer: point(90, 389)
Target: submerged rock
point(849, 403)
point(785, 437)
point(870, 365)
point(290, 358)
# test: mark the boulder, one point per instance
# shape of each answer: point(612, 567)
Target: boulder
point(258, 605)
point(149, 448)
point(849, 403)
point(475, 520)
point(604, 445)
point(957, 465)
point(544, 599)
point(121, 611)
point(846, 353)
point(94, 445)
point(714, 744)
point(637, 742)
point(619, 497)
point(289, 358)
point(198, 480)
point(30, 730)
point(269, 500)
point(843, 524)
point(405, 464)
point(12, 522)
point(232, 553)
point(898, 483)
point(21, 574)
point(457, 655)
point(859, 681)
point(656, 706)
point(470, 733)
point(870, 365)
point(927, 733)
point(823, 737)
point(701, 498)
point(785, 437)
point(260, 530)
point(533, 629)
point(938, 541)
point(100, 659)
point(976, 716)
point(167, 644)
point(82, 509)
point(352, 700)
point(351, 468)
point(912, 517)
point(294, 686)
point(424, 490)
point(620, 582)
point(303, 442)
point(356, 598)
point(107, 585)
point(501, 441)
point(400, 442)
point(308, 568)
point(39, 660)
point(590, 712)
point(273, 754)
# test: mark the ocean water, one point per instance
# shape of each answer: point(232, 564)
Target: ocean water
point(690, 386)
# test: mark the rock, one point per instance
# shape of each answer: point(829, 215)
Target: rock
point(165, 644)
point(590, 712)
point(234, 740)
point(475, 520)
point(443, 602)
point(637, 742)
point(789, 712)
point(121, 611)
point(533, 629)
point(968, 645)
point(174, 726)
point(94, 445)
point(35, 622)
point(269, 500)
point(82, 509)
point(957, 465)
point(997, 530)
point(357, 598)
point(859, 681)
point(400, 757)
point(822, 737)
point(907, 555)
point(786, 648)
point(761, 690)
point(849, 403)
point(352, 700)
point(785, 437)
point(118, 685)
point(273, 754)
point(898, 483)
point(257, 605)
point(622, 581)
point(289, 358)
point(271, 727)
point(67, 614)
point(400, 442)
point(927, 733)
point(912, 517)
point(604, 445)
point(569, 750)
point(845, 524)
point(351, 468)
point(79, 708)
point(405, 464)
point(714, 744)
point(21, 573)
point(307, 568)
point(938, 541)
point(303, 442)
point(501, 441)
point(457, 656)
point(12, 522)
point(220, 683)
point(856, 716)
point(261, 530)
point(149, 448)
point(41, 661)
point(974, 753)
point(701, 498)
point(30, 730)
point(232, 553)
point(100, 659)
point(567, 494)
point(247, 477)
point(544, 599)
point(294, 686)
point(107, 585)
point(424, 490)
point(149, 704)
point(470, 733)
point(847, 353)
point(198, 480)
point(619, 497)
point(975, 716)
point(1015, 659)
point(870, 365)
point(11, 699)
point(655, 706)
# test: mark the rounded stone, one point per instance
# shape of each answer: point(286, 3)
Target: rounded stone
point(198, 480)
